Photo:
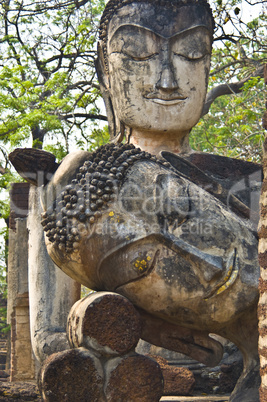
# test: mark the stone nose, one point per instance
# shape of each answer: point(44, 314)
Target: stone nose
point(167, 81)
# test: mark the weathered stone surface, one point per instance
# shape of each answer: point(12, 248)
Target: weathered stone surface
point(163, 238)
point(177, 380)
point(3, 374)
point(52, 293)
point(31, 162)
point(222, 378)
point(153, 97)
point(71, 375)
point(236, 183)
point(106, 322)
point(19, 391)
point(19, 208)
point(162, 241)
point(22, 363)
point(196, 344)
point(124, 220)
point(199, 398)
point(133, 378)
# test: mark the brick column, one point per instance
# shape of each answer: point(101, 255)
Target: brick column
point(22, 366)
point(262, 308)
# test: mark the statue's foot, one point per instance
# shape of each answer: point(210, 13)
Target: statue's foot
point(247, 387)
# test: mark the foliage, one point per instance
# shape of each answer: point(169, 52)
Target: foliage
point(4, 327)
point(98, 136)
point(47, 76)
point(233, 125)
point(48, 88)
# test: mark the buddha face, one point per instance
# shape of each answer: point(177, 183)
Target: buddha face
point(158, 62)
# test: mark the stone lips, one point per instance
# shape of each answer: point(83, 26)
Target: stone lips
point(92, 191)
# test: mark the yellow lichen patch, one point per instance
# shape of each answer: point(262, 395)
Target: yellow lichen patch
point(229, 282)
point(227, 276)
point(142, 263)
point(221, 289)
point(111, 213)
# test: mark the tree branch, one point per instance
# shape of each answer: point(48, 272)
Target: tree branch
point(80, 84)
point(85, 115)
point(232, 63)
point(228, 89)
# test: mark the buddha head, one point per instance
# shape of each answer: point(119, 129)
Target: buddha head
point(153, 65)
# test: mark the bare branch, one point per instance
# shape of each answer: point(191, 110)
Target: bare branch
point(48, 6)
point(228, 89)
point(253, 3)
point(85, 115)
point(232, 63)
point(81, 84)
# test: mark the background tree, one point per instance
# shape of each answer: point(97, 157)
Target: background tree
point(48, 82)
point(49, 92)
point(48, 88)
point(235, 102)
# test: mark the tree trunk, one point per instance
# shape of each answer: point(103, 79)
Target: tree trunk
point(38, 137)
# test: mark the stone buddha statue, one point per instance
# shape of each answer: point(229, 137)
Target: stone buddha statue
point(153, 68)
point(147, 217)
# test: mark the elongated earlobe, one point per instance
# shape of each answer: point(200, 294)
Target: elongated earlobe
point(114, 124)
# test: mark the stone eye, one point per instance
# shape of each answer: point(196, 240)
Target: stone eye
point(134, 42)
point(139, 57)
point(192, 46)
point(192, 55)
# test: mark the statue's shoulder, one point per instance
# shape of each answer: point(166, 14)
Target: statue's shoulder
point(227, 171)
point(223, 167)
point(230, 180)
